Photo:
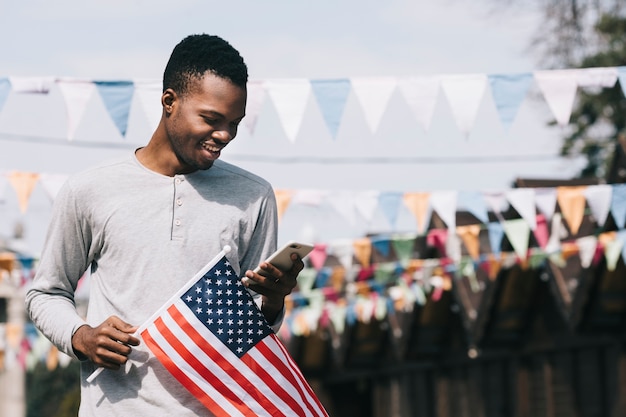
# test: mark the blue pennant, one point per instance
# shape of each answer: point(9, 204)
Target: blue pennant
point(117, 97)
point(331, 97)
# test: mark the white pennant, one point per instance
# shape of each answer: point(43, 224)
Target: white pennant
point(343, 250)
point(464, 94)
point(149, 93)
point(518, 232)
point(4, 181)
point(254, 104)
point(559, 90)
point(343, 202)
point(444, 203)
point(545, 199)
point(556, 231)
point(309, 197)
point(496, 200)
point(290, 97)
point(374, 94)
point(52, 183)
point(35, 85)
point(599, 201)
point(366, 203)
point(76, 94)
point(600, 77)
point(523, 201)
point(586, 249)
point(421, 95)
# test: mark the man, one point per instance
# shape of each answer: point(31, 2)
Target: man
point(146, 224)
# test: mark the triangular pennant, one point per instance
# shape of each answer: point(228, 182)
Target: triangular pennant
point(403, 247)
point(343, 250)
point(254, 104)
point(518, 232)
point(5, 89)
point(586, 249)
point(469, 236)
point(572, 203)
point(52, 183)
point(366, 203)
point(117, 98)
point(523, 201)
point(373, 94)
point(556, 233)
point(596, 78)
point(421, 94)
point(612, 250)
point(418, 204)
point(290, 97)
point(382, 245)
point(599, 201)
point(444, 203)
point(496, 233)
point(559, 90)
point(541, 231)
point(306, 279)
point(149, 94)
point(437, 238)
point(24, 184)
point(621, 236)
point(318, 256)
point(496, 200)
point(343, 203)
point(31, 85)
point(464, 94)
point(309, 197)
point(331, 98)
point(283, 198)
point(76, 94)
point(390, 202)
point(618, 205)
point(363, 251)
point(4, 181)
point(545, 200)
point(509, 91)
point(474, 202)
point(621, 74)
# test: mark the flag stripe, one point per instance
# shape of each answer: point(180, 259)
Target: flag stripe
point(266, 354)
point(274, 385)
point(180, 375)
point(287, 359)
point(224, 355)
point(226, 366)
point(199, 368)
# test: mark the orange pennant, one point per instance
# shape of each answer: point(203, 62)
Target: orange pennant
point(363, 251)
point(469, 235)
point(418, 204)
point(7, 261)
point(572, 203)
point(283, 198)
point(24, 184)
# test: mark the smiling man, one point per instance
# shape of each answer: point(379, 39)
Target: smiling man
point(144, 225)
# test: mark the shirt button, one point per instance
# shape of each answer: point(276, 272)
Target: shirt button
point(179, 202)
point(177, 181)
point(177, 222)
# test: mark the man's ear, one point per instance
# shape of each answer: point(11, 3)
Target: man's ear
point(168, 99)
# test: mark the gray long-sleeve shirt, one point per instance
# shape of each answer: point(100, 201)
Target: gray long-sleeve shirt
point(143, 235)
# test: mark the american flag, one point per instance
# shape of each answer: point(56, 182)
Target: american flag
point(215, 341)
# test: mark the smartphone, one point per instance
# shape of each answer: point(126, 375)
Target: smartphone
point(281, 259)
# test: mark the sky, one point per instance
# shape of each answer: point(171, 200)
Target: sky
point(132, 39)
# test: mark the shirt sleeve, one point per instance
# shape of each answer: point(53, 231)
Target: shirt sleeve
point(65, 257)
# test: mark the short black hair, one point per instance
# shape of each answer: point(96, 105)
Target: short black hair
point(196, 55)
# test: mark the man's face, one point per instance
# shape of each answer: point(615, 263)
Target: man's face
point(203, 121)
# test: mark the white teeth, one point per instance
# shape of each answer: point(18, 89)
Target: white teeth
point(206, 146)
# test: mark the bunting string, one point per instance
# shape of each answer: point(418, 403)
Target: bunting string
point(463, 94)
